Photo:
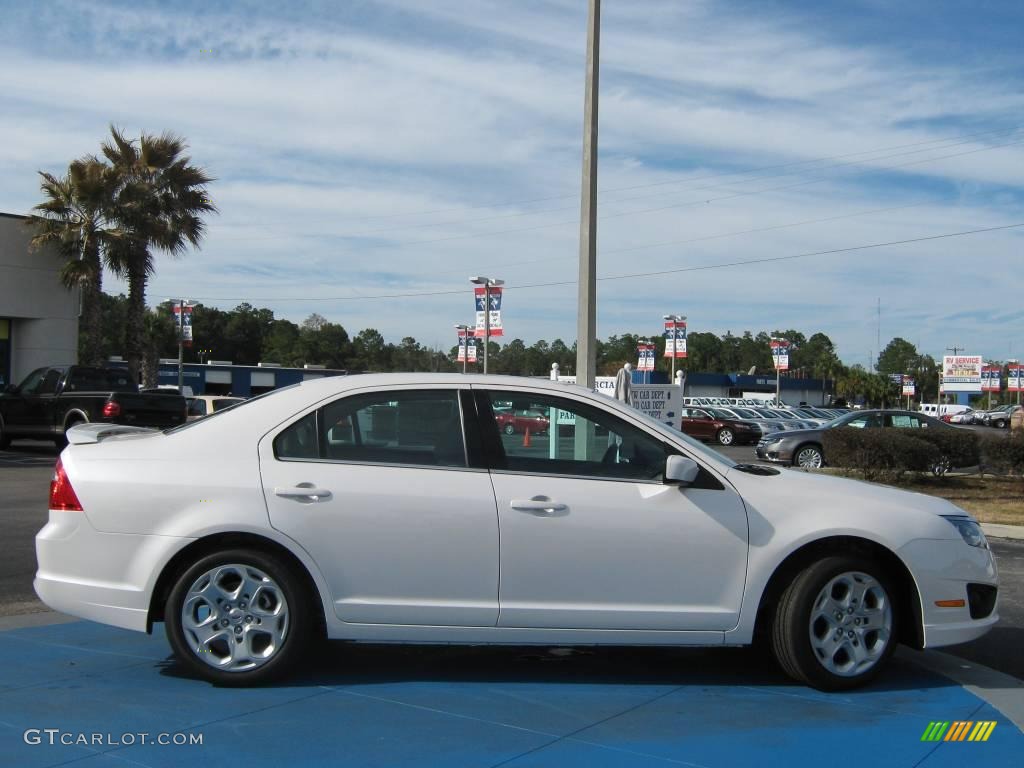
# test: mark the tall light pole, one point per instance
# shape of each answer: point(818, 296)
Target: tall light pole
point(464, 343)
point(487, 283)
point(586, 317)
point(674, 319)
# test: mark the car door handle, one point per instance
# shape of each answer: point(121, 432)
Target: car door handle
point(303, 491)
point(545, 506)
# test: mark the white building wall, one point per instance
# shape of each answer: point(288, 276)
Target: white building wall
point(43, 313)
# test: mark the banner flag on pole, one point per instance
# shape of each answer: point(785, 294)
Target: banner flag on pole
point(185, 323)
point(646, 357)
point(467, 351)
point(675, 338)
point(1015, 379)
point(780, 354)
point(909, 390)
point(991, 378)
point(495, 310)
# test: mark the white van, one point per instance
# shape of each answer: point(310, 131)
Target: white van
point(948, 409)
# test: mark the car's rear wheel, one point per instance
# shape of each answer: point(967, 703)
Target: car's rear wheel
point(809, 457)
point(835, 625)
point(725, 436)
point(239, 617)
point(1000, 424)
point(510, 429)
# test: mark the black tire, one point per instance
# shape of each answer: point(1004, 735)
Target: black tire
point(792, 628)
point(297, 636)
point(726, 436)
point(1000, 424)
point(510, 429)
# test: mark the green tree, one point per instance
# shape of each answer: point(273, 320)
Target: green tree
point(75, 218)
point(159, 199)
point(899, 356)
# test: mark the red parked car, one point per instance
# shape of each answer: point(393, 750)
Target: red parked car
point(512, 421)
point(703, 425)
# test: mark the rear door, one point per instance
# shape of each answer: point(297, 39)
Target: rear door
point(379, 488)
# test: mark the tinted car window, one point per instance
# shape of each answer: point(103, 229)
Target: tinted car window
point(401, 427)
point(98, 380)
point(609, 448)
point(299, 440)
point(197, 408)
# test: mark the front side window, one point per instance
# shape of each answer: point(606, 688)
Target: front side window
point(422, 428)
point(580, 439)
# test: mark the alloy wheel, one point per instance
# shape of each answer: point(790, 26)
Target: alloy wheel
point(809, 458)
point(851, 624)
point(235, 617)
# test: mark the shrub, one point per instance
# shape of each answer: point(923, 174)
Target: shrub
point(960, 447)
point(1004, 453)
point(879, 454)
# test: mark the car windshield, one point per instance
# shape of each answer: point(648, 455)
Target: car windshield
point(744, 413)
point(722, 413)
point(842, 420)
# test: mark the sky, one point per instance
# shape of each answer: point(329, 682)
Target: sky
point(371, 155)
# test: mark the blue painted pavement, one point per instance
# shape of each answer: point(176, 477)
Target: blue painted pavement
point(458, 706)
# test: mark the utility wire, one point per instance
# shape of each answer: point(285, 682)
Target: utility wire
point(629, 276)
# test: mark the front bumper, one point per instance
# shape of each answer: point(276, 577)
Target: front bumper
point(943, 570)
point(775, 453)
point(104, 577)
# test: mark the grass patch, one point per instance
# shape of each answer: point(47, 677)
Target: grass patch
point(990, 498)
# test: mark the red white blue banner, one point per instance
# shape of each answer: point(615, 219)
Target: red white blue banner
point(991, 378)
point(494, 295)
point(646, 357)
point(780, 354)
point(909, 388)
point(184, 323)
point(1015, 377)
point(467, 352)
point(675, 338)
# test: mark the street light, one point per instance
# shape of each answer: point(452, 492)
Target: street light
point(487, 283)
point(674, 319)
point(463, 342)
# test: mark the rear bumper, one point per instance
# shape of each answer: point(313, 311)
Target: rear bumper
point(103, 577)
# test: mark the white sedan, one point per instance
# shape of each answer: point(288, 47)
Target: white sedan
point(384, 508)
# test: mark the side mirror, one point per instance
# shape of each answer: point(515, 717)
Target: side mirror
point(681, 470)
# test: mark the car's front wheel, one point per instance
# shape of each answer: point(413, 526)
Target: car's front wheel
point(510, 429)
point(835, 625)
point(1000, 424)
point(239, 617)
point(726, 436)
point(809, 457)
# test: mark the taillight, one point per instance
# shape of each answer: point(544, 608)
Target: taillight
point(110, 410)
point(62, 495)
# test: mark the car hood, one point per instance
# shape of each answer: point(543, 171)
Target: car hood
point(842, 504)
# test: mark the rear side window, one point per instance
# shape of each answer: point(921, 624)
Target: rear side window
point(422, 428)
point(197, 408)
point(99, 380)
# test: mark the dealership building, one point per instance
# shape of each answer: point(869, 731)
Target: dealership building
point(38, 315)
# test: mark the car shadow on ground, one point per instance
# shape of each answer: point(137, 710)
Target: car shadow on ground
point(340, 664)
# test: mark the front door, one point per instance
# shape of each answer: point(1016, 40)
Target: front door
point(377, 488)
point(591, 537)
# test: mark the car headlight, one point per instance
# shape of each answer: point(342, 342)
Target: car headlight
point(969, 530)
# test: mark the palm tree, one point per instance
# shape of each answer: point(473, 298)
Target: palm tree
point(159, 200)
point(75, 218)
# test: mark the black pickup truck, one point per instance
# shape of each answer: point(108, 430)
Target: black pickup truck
point(52, 400)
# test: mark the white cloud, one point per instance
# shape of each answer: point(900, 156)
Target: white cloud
point(327, 132)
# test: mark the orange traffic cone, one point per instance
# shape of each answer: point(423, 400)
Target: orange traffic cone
point(526, 438)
